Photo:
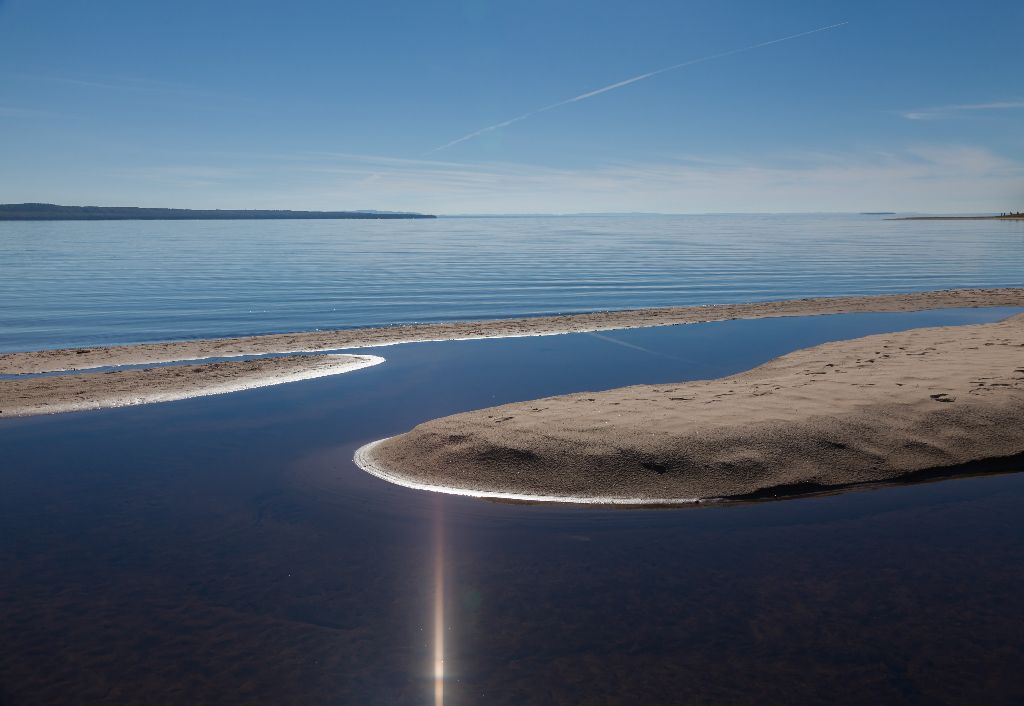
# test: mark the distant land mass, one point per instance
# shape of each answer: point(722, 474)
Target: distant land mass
point(582, 214)
point(53, 212)
point(1016, 216)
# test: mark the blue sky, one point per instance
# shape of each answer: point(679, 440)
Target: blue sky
point(909, 106)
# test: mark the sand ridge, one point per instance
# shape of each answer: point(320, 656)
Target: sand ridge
point(118, 388)
point(867, 410)
point(319, 341)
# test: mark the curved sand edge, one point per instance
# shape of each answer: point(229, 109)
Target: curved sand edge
point(121, 388)
point(869, 410)
point(319, 341)
point(363, 458)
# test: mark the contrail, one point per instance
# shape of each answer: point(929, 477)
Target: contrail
point(620, 84)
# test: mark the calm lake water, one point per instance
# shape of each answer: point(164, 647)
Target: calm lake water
point(81, 283)
point(226, 550)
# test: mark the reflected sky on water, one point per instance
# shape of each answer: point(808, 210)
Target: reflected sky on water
point(81, 283)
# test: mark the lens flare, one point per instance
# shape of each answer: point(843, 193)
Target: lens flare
point(438, 605)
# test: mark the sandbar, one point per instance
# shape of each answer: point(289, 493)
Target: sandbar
point(319, 341)
point(867, 410)
point(118, 388)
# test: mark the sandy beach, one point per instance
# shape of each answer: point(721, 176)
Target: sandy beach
point(68, 359)
point(868, 410)
point(71, 393)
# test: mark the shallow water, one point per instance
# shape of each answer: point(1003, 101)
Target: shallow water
point(82, 283)
point(225, 549)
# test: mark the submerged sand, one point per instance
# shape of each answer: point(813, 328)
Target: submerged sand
point(318, 341)
point(69, 393)
point(868, 410)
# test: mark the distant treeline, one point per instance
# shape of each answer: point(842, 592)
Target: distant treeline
point(52, 212)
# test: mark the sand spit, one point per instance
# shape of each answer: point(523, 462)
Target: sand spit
point(119, 388)
point(869, 410)
point(319, 341)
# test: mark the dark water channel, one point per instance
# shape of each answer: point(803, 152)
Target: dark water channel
point(226, 550)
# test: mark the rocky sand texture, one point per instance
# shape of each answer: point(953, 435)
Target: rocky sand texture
point(319, 341)
point(868, 410)
point(68, 393)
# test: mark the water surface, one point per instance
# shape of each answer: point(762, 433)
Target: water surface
point(89, 283)
point(225, 550)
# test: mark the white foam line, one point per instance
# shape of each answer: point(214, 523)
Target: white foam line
point(364, 461)
point(342, 366)
point(339, 367)
point(530, 334)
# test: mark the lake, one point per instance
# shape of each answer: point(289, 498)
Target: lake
point(91, 283)
point(226, 550)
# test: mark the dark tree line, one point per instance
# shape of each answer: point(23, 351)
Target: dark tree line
point(53, 212)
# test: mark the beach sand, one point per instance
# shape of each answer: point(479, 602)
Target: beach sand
point(69, 393)
point(318, 341)
point(872, 409)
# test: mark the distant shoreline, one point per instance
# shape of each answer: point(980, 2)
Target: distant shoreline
point(54, 212)
point(1010, 217)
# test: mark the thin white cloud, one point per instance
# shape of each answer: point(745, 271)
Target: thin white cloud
point(7, 111)
point(126, 85)
point(174, 171)
point(626, 82)
point(950, 111)
point(113, 83)
point(922, 178)
point(190, 176)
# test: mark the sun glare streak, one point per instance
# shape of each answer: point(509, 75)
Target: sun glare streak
point(438, 605)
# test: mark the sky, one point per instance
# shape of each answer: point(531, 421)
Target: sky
point(430, 106)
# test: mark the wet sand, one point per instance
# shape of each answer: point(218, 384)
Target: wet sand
point(319, 341)
point(869, 410)
point(71, 393)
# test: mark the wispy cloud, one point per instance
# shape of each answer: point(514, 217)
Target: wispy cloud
point(127, 85)
point(112, 83)
point(922, 178)
point(7, 111)
point(626, 82)
point(191, 176)
point(961, 109)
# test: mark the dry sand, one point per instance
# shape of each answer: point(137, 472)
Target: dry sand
point(868, 410)
point(318, 341)
point(69, 393)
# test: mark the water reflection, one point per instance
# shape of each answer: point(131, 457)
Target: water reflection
point(440, 626)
